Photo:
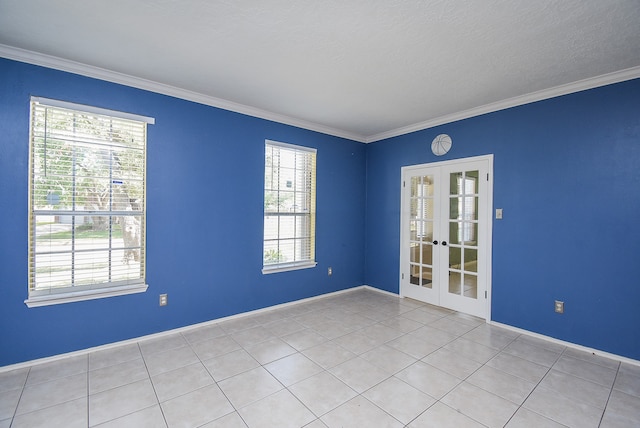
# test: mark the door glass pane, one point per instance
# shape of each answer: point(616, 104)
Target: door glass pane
point(427, 182)
point(470, 286)
point(427, 254)
point(472, 182)
point(454, 258)
point(455, 183)
point(413, 230)
point(415, 184)
point(414, 251)
point(422, 186)
point(468, 233)
point(427, 277)
point(426, 233)
point(454, 232)
point(414, 276)
point(455, 208)
point(471, 259)
point(470, 208)
point(413, 208)
point(425, 207)
point(455, 279)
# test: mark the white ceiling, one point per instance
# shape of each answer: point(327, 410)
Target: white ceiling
point(362, 69)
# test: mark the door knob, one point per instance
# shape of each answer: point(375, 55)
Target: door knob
point(435, 242)
point(444, 242)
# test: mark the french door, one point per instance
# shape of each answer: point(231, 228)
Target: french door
point(446, 234)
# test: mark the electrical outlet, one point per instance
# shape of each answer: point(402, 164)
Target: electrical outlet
point(163, 300)
point(559, 307)
point(329, 271)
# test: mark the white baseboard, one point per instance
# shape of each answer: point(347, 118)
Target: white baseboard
point(377, 290)
point(172, 331)
point(568, 344)
point(280, 306)
point(539, 336)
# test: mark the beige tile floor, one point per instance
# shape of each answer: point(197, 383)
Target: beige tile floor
point(359, 359)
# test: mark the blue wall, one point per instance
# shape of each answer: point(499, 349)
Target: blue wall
point(567, 174)
point(204, 217)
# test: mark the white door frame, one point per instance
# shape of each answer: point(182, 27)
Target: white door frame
point(487, 245)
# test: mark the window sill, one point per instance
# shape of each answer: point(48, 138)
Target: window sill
point(287, 267)
point(78, 296)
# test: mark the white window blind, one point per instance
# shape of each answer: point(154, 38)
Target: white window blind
point(289, 207)
point(87, 202)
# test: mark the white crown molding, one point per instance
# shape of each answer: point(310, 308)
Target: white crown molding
point(49, 61)
point(580, 85)
point(61, 64)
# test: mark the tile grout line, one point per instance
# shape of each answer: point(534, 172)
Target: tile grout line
point(237, 410)
point(464, 380)
point(299, 351)
point(215, 382)
point(568, 398)
point(310, 325)
point(318, 418)
point(421, 360)
point(115, 387)
point(39, 384)
point(610, 393)
point(532, 389)
point(459, 383)
point(529, 395)
point(24, 385)
point(144, 361)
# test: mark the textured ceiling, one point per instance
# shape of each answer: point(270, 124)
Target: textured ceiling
point(358, 68)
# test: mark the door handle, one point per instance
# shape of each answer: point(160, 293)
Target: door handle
point(444, 243)
point(435, 242)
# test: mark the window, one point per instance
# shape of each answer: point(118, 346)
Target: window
point(87, 203)
point(289, 207)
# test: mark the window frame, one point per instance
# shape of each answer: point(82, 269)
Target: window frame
point(53, 295)
point(310, 192)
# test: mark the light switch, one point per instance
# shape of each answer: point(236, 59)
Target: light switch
point(498, 213)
